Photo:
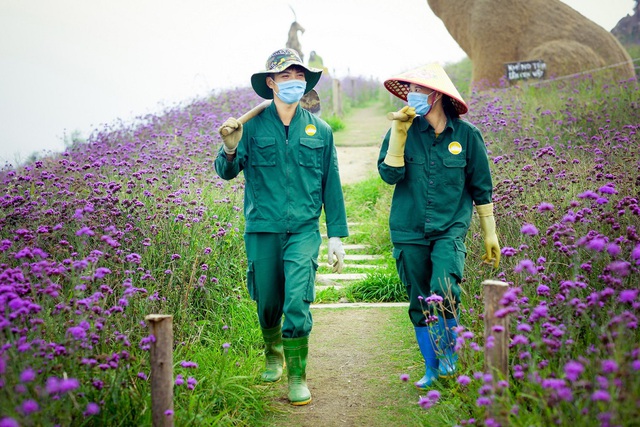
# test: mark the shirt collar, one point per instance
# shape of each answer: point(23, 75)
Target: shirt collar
point(425, 125)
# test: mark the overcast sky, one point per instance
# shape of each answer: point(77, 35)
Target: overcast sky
point(72, 65)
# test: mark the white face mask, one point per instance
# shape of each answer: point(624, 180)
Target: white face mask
point(419, 101)
point(291, 91)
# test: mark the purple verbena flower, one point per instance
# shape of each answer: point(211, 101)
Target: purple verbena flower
point(544, 206)
point(91, 409)
point(463, 380)
point(573, 370)
point(529, 230)
point(601, 395)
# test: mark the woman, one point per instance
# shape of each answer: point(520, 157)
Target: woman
point(439, 166)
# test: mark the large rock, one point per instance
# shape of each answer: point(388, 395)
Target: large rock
point(495, 32)
point(627, 30)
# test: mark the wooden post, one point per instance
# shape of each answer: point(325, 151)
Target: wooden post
point(337, 98)
point(496, 330)
point(161, 327)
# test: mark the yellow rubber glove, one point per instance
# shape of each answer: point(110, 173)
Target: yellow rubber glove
point(488, 226)
point(234, 127)
point(398, 138)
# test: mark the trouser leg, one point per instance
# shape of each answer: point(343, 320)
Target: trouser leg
point(414, 269)
point(447, 259)
point(448, 256)
point(265, 276)
point(300, 266)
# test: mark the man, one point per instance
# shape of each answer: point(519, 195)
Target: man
point(439, 166)
point(291, 172)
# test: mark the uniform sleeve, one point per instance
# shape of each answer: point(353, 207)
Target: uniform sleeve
point(332, 197)
point(389, 174)
point(478, 172)
point(229, 169)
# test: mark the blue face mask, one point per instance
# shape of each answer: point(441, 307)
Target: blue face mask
point(419, 101)
point(291, 91)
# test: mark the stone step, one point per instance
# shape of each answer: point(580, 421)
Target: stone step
point(342, 277)
point(360, 305)
point(361, 266)
point(335, 280)
point(355, 257)
point(347, 247)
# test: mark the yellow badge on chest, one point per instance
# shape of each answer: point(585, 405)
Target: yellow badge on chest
point(310, 130)
point(455, 147)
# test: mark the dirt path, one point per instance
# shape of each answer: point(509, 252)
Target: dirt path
point(358, 145)
point(356, 356)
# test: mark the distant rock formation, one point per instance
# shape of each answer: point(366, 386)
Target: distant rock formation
point(292, 40)
point(316, 61)
point(495, 32)
point(627, 30)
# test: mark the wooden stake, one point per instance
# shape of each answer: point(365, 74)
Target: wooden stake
point(496, 331)
point(161, 327)
point(337, 97)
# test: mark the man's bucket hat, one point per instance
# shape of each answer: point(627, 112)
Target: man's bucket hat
point(279, 61)
point(432, 76)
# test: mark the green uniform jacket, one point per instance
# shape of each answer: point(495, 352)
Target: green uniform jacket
point(439, 183)
point(288, 181)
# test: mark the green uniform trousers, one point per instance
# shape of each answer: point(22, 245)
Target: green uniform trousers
point(435, 267)
point(281, 274)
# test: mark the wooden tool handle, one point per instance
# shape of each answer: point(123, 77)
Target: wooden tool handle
point(395, 115)
point(225, 130)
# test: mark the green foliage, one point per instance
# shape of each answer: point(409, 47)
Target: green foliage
point(634, 53)
point(329, 295)
point(382, 285)
point(335, 122)
point(369, 201)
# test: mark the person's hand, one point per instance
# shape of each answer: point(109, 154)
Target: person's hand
point(398, 137)
point(336, 249)
point(231, 139)
point(488, 226)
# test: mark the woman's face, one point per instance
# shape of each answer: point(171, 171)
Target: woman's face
point(420, 89)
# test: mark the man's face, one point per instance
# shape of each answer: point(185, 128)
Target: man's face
point(291, 73)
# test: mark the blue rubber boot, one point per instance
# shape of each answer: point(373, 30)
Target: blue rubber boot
point(426, 342)
point(446, 346)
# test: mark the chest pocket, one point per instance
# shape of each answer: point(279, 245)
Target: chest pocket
point(263, 151)
point(310, 155)
point(454, 170)
point(414, 167)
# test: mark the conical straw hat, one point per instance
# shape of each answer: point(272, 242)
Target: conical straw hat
point(432, 76)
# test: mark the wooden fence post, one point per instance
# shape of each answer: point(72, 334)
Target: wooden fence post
point(161, 327)
point(337, 98)
point(496, 331)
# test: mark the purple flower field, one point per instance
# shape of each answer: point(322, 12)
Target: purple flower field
point(136, 222)
point(566, 163)
point(91, 241)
